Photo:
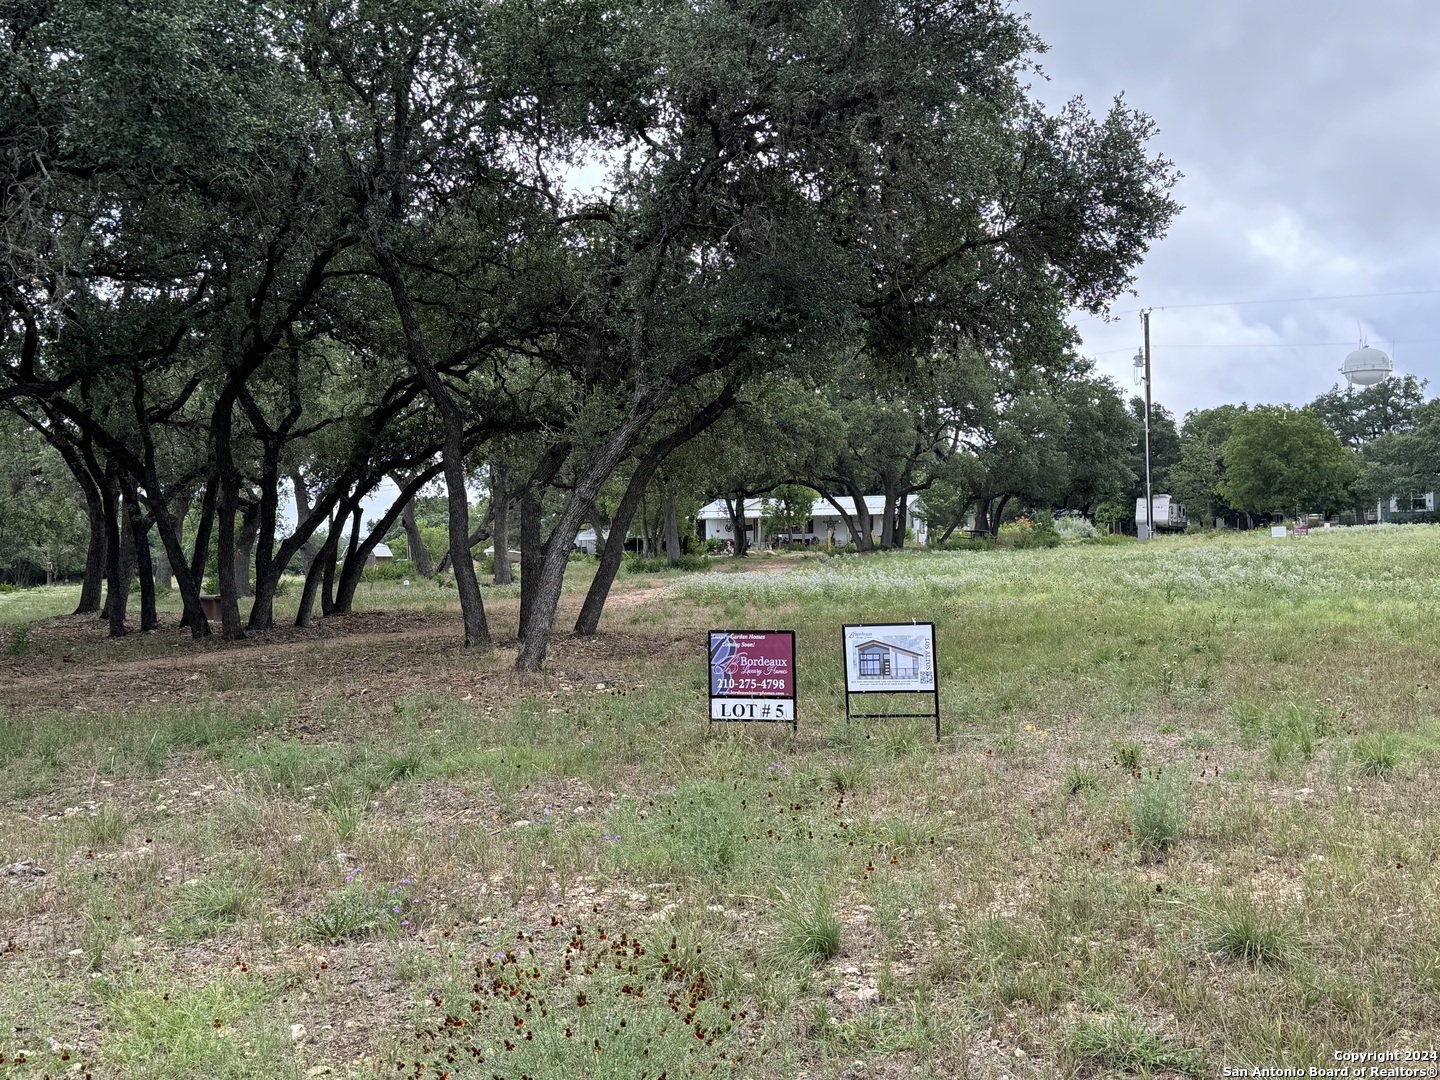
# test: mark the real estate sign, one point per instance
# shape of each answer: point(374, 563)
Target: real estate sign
point(896, 658)
point(752, 675)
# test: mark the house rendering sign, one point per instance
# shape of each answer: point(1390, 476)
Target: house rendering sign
point(752, 675)
point(896, 658)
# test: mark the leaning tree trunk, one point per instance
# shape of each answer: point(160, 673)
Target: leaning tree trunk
point(309, 549)
point(164, 568)
point(613, 553)
point(500, 516)
point(999, 513)
point(452, 454)
point(325, 557)
point(359, 555)
point(536, 630)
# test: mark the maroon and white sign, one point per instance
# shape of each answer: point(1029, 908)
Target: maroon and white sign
point(752, 675)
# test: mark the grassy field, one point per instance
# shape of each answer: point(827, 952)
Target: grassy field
point(1183, 816)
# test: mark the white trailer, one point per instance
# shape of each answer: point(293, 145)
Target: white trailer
point(1168, 515)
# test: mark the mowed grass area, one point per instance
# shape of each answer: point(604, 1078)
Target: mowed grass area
point(1183, 816)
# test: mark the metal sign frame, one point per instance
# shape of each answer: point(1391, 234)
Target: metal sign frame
point(933, 693)
point(761, 699)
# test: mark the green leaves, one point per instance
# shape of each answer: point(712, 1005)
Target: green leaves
point(1283, 459)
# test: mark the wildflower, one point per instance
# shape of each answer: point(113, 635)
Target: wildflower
point(404, 922)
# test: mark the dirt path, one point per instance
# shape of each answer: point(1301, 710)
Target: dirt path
point(385, 654)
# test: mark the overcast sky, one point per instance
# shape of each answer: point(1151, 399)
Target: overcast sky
point(1309, 136)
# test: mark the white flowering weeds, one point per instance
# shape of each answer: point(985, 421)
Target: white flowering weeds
point(1374, 564)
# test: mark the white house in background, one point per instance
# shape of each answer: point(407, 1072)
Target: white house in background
point(380, 555)
point(825, 525)
point(1404, 507)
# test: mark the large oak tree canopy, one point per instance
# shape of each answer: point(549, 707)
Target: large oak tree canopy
point(248, 242)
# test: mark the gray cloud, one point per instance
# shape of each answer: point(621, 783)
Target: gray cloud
point(1309, 136)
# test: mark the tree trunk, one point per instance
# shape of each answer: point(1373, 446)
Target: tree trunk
point(452, 455)
point(887, 522)
point(500, 516)
point(172, 541)
point(735, 510)
point(245, 549)
point(303, 510)
point(531, 552)
point(589, 620)
point(982, 516)
point(200, 555)
point(536, 630)
point(672, 532)
point(227, 509)
point(331, 563)
point(613, 553)
point(140, 541)
point(95, 554)
point(118, 559)
point(164, 568)
point(995, 518)
point(419, 553)
point(865, 536)
point(324, 557)
point(337, 585)
point(359, 556)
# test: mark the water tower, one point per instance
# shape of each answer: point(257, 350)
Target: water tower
point(1366, 366)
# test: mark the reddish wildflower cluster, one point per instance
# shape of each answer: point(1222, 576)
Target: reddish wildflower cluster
point(519, 1000)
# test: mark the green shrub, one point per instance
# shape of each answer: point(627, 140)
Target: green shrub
point(1377, 753)
point(395, 570)
point(1157, 815)
point(1119, 1043)
point(636, 564)
point(1025, 533)
point(1076, 528)
point(1236, 928)
point(1079, 778)
point(810, 931)
point(967, 543)
point(19, 643)
point(354, 911)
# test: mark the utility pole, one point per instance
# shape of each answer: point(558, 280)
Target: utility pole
point(1149, 495)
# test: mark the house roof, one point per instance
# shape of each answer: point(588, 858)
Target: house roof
point(382, 551)
point(888, 645)
point(822, 508)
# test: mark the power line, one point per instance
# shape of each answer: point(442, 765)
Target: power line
point(1282, 300)
point(1279, 345)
